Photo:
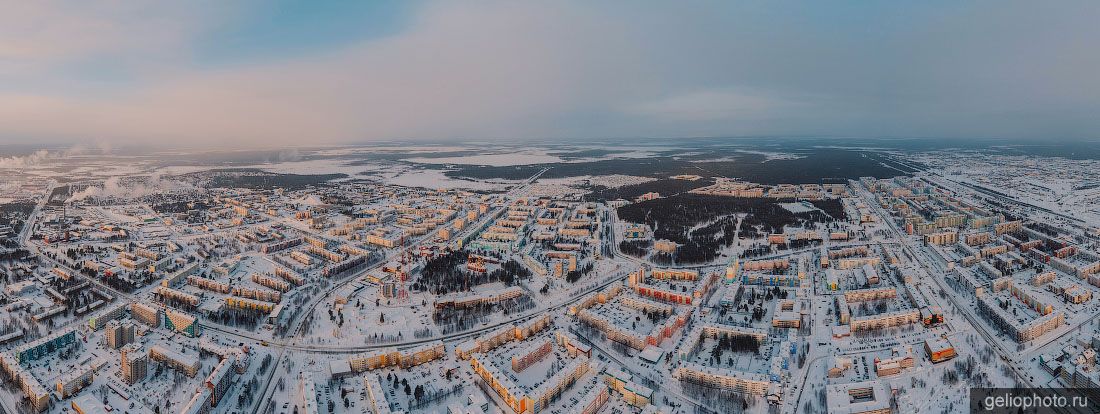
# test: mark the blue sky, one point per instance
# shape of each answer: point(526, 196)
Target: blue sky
point(258, 73)
point(274, 30)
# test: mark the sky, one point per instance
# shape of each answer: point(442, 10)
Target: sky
point(279, 73)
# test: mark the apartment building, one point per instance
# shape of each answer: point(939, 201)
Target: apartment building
point(134, 364)
point(186, 364)
point(531, 354)
point(392, 357)
point(744, 382)
point(73, 381)
point(532, 400)
point(861, 295)
point(119, 333)
point(885, 320)
point(149, 315)
point(1022, 331)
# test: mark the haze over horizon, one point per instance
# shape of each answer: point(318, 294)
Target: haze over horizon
point(253, 74)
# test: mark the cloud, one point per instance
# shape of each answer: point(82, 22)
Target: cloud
point(114, 188)
point(18, 162)
point(289, 154)
point(47, 35)
point(499, 70)
point(425, 83)
point(40, 157)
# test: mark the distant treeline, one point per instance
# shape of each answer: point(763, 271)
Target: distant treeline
point(817, 165)
point(261, 180)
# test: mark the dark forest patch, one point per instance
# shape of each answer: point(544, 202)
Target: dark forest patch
point(665, 187)
point(676, 218)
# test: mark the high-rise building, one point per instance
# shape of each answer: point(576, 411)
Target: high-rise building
point(134, 363)
point(220, 378)
point(120, 333)
point(113, 334)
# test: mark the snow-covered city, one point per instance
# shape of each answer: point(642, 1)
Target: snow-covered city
point(150, 285)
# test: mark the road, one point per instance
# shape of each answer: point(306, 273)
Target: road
point(6, 405)
point(923, 259)
point(937, 277)
point(297, 324)
point(1045, 341)
point(294, 343)
point(612, 357)
point(1011, 358)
